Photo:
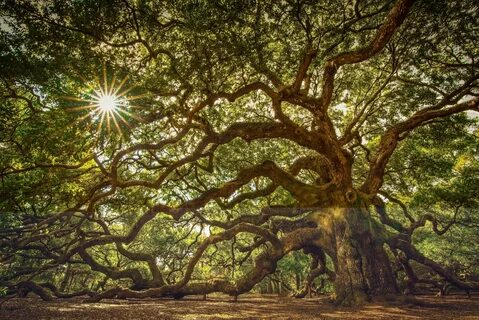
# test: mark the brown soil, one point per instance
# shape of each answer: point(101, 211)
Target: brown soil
point(247, 307)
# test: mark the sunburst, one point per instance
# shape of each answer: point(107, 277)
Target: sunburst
point(107, 103)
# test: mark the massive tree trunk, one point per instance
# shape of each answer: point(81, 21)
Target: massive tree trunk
point(362, 266)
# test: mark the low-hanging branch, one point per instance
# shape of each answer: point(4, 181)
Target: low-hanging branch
point(234, 143)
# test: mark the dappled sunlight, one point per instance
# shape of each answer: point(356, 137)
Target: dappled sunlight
point(249, 306)
point(213, 159)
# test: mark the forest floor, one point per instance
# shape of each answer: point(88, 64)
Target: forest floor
point(248, 306)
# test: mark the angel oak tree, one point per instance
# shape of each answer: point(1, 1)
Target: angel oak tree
point(269, 123)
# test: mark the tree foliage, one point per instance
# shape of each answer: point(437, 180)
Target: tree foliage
point(246, 131)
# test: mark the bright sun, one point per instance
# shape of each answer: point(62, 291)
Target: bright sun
point(107, 103)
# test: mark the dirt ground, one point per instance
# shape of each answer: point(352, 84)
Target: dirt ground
point(247, 307)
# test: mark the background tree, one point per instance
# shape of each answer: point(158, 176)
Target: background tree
point(242, 131)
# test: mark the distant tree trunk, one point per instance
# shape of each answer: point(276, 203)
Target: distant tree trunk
point(298, 281)
point(269, 287)
point(66, 278)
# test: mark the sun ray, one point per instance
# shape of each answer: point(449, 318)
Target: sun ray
point(90, 106)
point(124, 92)
point(106, 103)
point(112, 86)
point(100, 123)
point(117, 126)
point(108, 114)
point(72, 98)
point(131, 115)
point(139, 96)
point(105, 79)
point(115, 93)
point(98, 93)
point(122, 118)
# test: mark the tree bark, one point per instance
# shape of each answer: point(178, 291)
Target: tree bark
point(362, 266)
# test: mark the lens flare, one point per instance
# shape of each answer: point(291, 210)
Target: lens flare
point(107, 103)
